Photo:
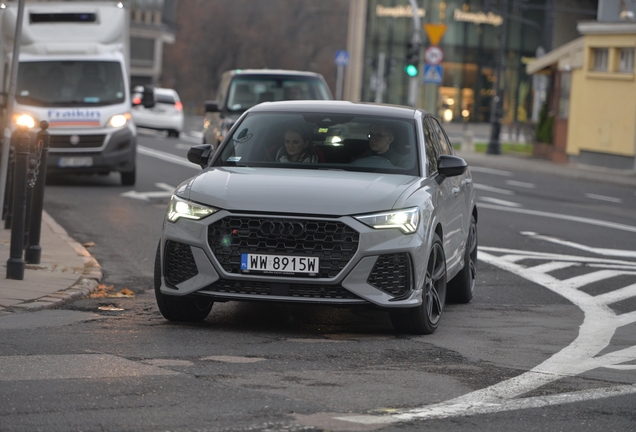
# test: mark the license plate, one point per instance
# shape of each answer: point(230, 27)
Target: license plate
point(75, 162)
point(280, 264)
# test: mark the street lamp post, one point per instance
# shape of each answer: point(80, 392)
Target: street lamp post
point(494, 145)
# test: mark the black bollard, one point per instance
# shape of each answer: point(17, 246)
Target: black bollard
point(8, 194)
point(34, 250)
point(15, 263)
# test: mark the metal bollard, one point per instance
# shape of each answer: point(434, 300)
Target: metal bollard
point(34, 250)
point(15, 263)
point(8, 193)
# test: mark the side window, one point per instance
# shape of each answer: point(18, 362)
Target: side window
point(445, 144)
point(431, 147)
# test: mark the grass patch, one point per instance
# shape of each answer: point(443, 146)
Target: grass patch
point(506, 148)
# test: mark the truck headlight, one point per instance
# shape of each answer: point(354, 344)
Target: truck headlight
point(181, 208)
point(119, 120)
point(405, 220)
point(24, 120)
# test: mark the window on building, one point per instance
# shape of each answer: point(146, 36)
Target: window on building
point(600, 59)
point(626, 61)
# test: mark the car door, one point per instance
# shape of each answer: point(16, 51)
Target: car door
point(453, 200)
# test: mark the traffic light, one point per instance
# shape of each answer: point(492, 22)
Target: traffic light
point(412, 60)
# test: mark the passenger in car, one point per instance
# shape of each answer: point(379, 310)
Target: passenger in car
point(298, 147)
point(381, 138)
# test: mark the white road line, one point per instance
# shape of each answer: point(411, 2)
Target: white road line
point(500, 202)
point(563, 217)
point(191, 139)
point(552, 266)
point(617, 295)
point(520, 184)
point(491, 171)
point(589, 278)
point(604, 198)
point(493, 189)
point(198, 135)
point(167, 157)
point(597, 251)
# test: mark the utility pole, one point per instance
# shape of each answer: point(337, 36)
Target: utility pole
point(414, 81)
point(494, 145)
point(8, 117)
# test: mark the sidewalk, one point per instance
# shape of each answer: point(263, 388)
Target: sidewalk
point(66, 271)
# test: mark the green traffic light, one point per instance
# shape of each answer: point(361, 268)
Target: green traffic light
point(411, 70)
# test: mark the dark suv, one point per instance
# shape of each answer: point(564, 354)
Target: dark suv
point(242, 89)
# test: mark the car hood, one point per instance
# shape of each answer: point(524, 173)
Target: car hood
point(296, 190)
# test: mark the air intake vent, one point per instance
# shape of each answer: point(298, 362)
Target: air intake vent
point(63, 17)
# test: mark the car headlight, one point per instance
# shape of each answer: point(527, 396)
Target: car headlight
point(181, 208)
point(405, 220)
point(119, 120)
point(24, 120)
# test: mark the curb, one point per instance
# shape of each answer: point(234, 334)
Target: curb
point(86, 283)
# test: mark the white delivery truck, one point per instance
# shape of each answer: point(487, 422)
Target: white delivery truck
point(74, 72)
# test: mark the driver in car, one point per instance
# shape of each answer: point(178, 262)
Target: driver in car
point(380, 139)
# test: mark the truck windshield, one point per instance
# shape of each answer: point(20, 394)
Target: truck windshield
point(70, 83)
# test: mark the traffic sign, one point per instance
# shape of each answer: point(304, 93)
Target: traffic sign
point(435, 32)
point(433, 55)
point(342, 58)
point(433, 74)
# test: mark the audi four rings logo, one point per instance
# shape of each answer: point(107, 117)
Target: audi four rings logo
point(282, 228)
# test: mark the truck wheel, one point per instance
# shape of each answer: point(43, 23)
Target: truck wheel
point(128, 178)
point(462, 286)
point(180, 309)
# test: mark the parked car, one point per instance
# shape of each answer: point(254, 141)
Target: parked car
point(242, 89)
point(374, 209)
point(167, 114)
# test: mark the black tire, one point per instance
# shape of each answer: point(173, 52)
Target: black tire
point(462, 287)
point(181, 309)
point(173, 133)
point(424, 319)
point(128, 178)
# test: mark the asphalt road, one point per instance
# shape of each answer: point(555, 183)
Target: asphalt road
point(548, 342)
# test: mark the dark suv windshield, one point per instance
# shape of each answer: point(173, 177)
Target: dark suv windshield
point(323, 141)
point(70, 83)
point(247, 91)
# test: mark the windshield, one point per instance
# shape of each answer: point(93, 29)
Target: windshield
point(246, 91)
point(70, 83)
point(323, 141)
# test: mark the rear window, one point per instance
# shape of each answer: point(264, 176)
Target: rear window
point(247, 91)
point(166, 99)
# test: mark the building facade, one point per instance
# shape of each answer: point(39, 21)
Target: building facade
point(463, 88)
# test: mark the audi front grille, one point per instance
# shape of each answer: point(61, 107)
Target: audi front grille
point(333, 242)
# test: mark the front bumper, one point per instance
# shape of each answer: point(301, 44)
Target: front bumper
point(359, 265)
point(107, 151)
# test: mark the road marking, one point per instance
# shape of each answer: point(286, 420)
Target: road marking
point(563, 217)
point(597, 251)
point(196, 134)
point(493, 189)
point(86, 366)
point(491, 171)
point(234, 359)
point(500, 202)
point(146, 196)
point(520, 184)
point(191, 139)
point(595, 334)
point(167, 157)
point(604, 198)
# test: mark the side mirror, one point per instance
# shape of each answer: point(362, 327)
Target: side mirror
point(200, 154)
point(451, 166)
point(211, 106)
point(144, 95)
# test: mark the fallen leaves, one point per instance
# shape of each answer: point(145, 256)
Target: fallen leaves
point(104, 291)
point(110, 308)
point(88, 244)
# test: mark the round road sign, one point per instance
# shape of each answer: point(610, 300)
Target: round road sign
point(433, 55)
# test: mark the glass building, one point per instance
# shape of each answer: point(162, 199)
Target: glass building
point(466, 87)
